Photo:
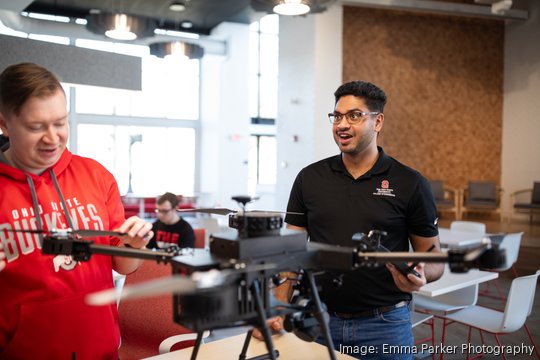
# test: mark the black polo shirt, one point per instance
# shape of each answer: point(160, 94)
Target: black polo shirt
point(390, 197)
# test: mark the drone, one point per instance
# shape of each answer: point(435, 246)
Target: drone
point(248, 223)
point(230, 285)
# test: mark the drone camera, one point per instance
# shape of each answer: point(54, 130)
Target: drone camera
point(256, 225)
point(303, 323)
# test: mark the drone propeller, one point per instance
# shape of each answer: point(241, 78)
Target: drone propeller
point(92, 233)
point(269, 212)
point(225, 211)
point(176, 284)
point(82, 232)
point(29, 231)
point(217, 211)
point(243, 200)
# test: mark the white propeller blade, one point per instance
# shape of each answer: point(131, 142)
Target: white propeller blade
point(175, 284)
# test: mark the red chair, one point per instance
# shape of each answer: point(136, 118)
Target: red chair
point(149, 207)
point(145, 323)
point(200, 238)
point(131, 206)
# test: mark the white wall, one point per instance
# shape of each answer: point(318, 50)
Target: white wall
point(225, 119)
point(310, 63)
point(521, 106)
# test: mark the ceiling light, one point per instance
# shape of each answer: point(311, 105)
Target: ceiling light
point(120, 26)
point(291, 7)
point(176, 48)
point(177, 6)
point(186, 24)
point(121, 30)
point(501, 7)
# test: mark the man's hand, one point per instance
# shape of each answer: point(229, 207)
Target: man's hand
point(138, 231)
point(410, 282)
point(2, 257)
point(275, 325)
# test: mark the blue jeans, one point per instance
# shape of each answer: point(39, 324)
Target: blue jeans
point(385, 336)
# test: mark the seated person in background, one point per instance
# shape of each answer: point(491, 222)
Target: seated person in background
point(170, 228)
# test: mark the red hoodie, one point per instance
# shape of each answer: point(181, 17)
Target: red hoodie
point(42, 309)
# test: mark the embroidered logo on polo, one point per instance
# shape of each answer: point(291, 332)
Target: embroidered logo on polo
point(384, 190)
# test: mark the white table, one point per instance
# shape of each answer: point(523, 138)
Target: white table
point(457, 238)
point(455, 281)
point(289, 346)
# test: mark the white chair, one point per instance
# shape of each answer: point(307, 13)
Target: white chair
point(472, 226)
point(418, 318)
point(167, 344)
point(511, 244)
point(518, 308)
point(118, 282)
point(441, 305)
point(451, 301)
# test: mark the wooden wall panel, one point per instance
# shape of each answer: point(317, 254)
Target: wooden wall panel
point(444, 80)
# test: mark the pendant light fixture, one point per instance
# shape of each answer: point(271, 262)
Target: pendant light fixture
point(176, 48)
point(291, 7)
point(177, 6)
point(120, 26)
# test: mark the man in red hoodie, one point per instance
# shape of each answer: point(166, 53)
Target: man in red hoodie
point(43, 187)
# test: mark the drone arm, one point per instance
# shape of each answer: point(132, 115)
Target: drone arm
point(82, 250)
point(459, 260)
point(143, 254)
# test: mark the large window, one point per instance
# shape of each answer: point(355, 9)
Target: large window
point(263, 69)
point(263, 73)
point(262, 150)
point(147, 138)
point(170, 87)
point(147, 161)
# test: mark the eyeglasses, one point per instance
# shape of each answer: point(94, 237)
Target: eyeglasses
point(353, 117)
point(163, 211)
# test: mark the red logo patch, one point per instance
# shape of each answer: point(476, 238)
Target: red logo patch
point(385, 184)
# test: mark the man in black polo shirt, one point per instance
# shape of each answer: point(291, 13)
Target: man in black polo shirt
point(359, 190)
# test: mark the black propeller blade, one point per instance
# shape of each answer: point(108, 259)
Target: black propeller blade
point(82, 232)
point(217, 211)
point(93, 233)
point(225, 211)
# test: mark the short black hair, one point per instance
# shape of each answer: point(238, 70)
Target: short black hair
point(374, 97)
